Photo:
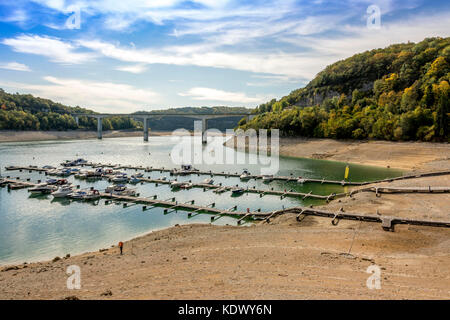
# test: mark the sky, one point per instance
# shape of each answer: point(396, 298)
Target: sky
point(123, 56)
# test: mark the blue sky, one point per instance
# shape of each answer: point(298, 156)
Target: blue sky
point(124, 56)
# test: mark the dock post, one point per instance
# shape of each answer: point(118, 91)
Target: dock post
point(145, 121)
point(99, 127)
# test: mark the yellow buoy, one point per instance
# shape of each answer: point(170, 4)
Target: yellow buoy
point(347, 169)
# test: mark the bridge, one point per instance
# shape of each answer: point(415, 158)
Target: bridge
point(144, 117)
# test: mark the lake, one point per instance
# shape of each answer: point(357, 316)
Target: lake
point(39, 228)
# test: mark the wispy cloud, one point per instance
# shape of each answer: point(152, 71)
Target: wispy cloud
point(215, 95)
point(138, 68)
point(53, 48)
point(100, 96)
point(15, 66)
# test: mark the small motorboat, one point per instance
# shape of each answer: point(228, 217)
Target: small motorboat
point(78, 194)
point(64, 172)
point(121, 177)
point(208, 181)
point(92, 195)
point(176, 184)
point(139, 175)
point(186, 185)
point(186, 169)
point(237, 191)
point(85, 195)
point(267, 178)
point(61, 182)
point(51, 181)
point(301, 180)
point(120, 190)
point(42, 188)
point(134, 180)
point(48, 167)
point(62, 192)
point(246, 175)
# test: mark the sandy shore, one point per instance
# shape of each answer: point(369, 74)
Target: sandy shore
point(20, 136)
point(285, 259)
point(401, 155)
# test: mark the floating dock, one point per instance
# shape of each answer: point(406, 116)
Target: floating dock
point(387, 222)
point(237, 175)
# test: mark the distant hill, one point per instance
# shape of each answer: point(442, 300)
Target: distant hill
point(397, 93)
point(26, 112)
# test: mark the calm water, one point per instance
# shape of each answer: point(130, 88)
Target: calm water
point(37, 228)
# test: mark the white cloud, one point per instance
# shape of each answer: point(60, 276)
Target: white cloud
point(19, 16)
point(210, 94)
point(100, 96)
point(138, 68)
point(53, 48)
point(295, 65)
point(14, 66)
point(414, 29)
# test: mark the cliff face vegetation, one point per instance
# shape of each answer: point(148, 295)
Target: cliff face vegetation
point(397, 93)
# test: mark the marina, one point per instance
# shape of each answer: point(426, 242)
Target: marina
point(81, 225)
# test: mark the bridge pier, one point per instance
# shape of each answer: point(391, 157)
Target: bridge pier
point(145, 121)
point(146, 116)
point(77, 121)
point(99, 128)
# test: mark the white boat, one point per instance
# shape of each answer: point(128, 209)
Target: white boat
point(246, 175)
point(42, 188)
point(301, 180)
point(134, 179)
point(267, 178)
point(120, 190)
point(85, 195)
point(62, 192)
point(208, 181)
point(176, 184)
point(186, 185)
point(186, 169)
point(92, 195)
point(78, 194)
point(120, 178)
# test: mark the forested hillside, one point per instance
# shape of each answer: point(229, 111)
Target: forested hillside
point(398, 93)
point(26, 112)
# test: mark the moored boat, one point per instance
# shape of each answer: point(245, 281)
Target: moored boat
point(301, 180)
point(62, 191)
point(208, 181)
point(42, 188)
point(176, 184)
point(246, 175)
point(120, 190)
point(134, 179)
point(237, 191)
point(121, 177)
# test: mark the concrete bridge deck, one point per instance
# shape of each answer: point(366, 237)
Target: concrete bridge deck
point(146, 116)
